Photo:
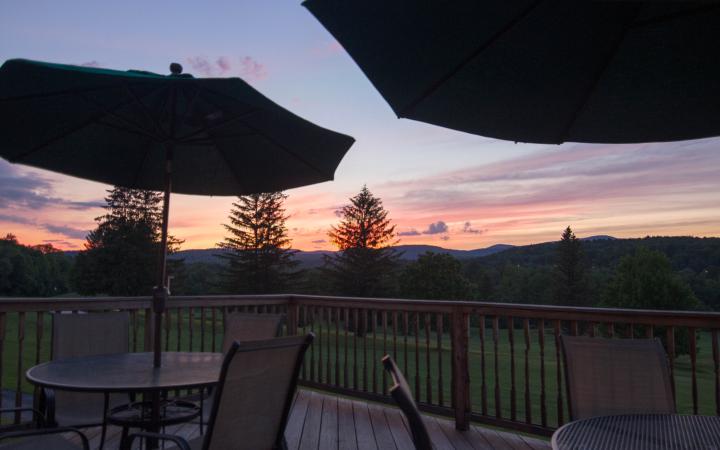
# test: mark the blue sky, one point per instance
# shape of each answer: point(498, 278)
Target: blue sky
point(474, 191)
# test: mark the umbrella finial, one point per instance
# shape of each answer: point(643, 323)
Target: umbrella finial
point(176, 68)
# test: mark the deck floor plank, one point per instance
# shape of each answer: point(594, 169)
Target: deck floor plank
point(329, 426)
point(381, 428)
point(321, 421)
point(347, 439)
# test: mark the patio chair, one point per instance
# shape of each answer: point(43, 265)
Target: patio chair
point(84, 335)
point(245, 327)
point(252, 399)
point(39, 439)
point(616, 376)
point(402, 395)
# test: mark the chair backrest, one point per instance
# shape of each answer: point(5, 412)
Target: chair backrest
point(402, 394)
point(244, 327)
point(85, 335)
point(616, 376)
point(255, 392)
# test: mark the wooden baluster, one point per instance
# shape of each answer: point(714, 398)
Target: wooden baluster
point(671, 356)
point(631, 331)
point(312, 347)
point(439, 336)
point(407, 332)
point(693, 367)
point(320, 327)
point(558, 373)
point(428, 372)
point(384, 376)
point(356, 322)
point(481, 321)
point(19, 374)
point(574, 328)
point(328, 364)
point(191, 322)
point(202, 329)
point(394, 331)
point(347, 338)
point(591, 329)
point(417, 356)
point(2, 352)
point(373, 318)
point(460, 369)
point(39, 328)
point(513, 390)
point(543, 396)
point(495, 324)
point(133, 324)
point(528, 406)
point(337, 347)
point(649, 331)
point(167, 328)
point(179, 327)
point(303, 311)
point(213, 327)
point(148, 338)
point(364, 336)
point(611, 329)
point(716, 364)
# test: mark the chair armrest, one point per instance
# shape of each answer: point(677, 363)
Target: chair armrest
point(45, 431)
point(177, 440)
point(46, 405)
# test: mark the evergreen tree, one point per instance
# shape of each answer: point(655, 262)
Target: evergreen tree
point(571, 276)
point(366, 262)
point(435, 276)
point(121, 254)
point(259, 257)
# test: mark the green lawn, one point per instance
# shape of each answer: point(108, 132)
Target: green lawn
point(374, 344)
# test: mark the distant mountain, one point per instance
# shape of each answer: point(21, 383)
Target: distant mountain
point(315, 258)
point(599, 237)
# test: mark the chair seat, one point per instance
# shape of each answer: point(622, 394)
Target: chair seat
point(54, 442)
point(196, 444)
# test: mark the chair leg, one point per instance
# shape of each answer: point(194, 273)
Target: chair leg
point(103, 431)
point(124, 438)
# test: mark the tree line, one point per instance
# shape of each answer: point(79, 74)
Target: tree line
point(120, 256)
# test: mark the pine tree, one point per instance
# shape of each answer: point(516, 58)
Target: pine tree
point(121, 253)
point(366, 262)
point(259, 257)
point(571, 276)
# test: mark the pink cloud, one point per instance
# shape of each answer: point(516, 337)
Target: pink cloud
point(245, 67)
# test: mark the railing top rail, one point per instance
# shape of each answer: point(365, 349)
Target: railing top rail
point(551, 312)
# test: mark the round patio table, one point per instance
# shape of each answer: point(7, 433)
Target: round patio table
point(639, 431)
point(130, 372)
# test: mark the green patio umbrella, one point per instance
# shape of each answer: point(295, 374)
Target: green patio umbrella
point(175, 133)
point(540, 71)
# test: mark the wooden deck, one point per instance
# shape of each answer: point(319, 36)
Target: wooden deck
point(321, 422)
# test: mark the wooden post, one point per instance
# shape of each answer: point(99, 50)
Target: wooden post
point(293, 313)
point(460, 370)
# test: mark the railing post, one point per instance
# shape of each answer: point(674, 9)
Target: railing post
point(460, 370)
point(293, 314)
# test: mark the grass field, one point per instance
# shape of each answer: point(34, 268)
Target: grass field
point(370, 375)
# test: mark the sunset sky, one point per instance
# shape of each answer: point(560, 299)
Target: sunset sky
point(441, 187)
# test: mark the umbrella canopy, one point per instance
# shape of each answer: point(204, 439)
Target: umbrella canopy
point(176, 133)
point(541, 71)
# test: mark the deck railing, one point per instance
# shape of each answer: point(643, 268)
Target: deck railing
point(488, 362)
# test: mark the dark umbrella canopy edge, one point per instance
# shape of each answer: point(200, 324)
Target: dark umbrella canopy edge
point(541, 71)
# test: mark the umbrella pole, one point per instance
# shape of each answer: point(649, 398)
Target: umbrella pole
point(161, 293)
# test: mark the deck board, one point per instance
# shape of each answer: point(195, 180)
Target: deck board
point(321, 421)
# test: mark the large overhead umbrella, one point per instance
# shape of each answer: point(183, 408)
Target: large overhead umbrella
point(541, 71)
point(176, 133)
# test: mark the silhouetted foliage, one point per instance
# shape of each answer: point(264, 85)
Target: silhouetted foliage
point(570, 273)
point(435, 276)
point(365, 265)
point(121, 255)
point(32, 271)
point(259, 259)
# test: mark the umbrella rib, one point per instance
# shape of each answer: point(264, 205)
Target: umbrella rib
point(403, 112)
point(64, 92)
point(285, 149)
point(145, 110)
point(598, 75)
point(217, 125)
point(138, 128)
point(94, 118)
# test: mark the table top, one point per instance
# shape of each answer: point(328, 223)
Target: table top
point(637, 431)
point(128, 372)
